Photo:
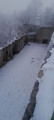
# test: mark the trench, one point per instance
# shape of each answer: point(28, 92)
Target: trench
point(17, 79)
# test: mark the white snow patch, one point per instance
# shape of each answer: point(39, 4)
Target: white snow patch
point(52, 38)
point(45, 96)
point(17, 79)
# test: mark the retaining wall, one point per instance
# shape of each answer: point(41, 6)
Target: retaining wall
point(8, 52)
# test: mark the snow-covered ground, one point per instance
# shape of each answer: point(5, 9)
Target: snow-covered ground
point(45, 97)
point(17, 79)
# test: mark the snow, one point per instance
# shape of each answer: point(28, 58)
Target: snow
point(11, 41)
point(1, 48)
point(52, 38)
point(45, 96)
point(17, 79)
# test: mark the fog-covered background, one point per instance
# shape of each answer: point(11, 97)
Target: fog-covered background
point(18, 17)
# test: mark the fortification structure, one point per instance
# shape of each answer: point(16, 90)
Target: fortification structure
point(43, 35)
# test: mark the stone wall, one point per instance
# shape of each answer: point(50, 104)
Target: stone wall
point(43, 35)
point(8, 52)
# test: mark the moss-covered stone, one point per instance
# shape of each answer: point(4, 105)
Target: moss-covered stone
point(40, 74)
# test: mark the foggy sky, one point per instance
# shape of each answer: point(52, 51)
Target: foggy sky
point(47, 3)
point(10, 6)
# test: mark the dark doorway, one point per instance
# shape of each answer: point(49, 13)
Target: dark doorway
point(44, 41)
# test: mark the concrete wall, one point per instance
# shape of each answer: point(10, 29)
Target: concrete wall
point(44, 34)
point(8, 52)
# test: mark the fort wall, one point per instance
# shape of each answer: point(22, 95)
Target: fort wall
point(42, 36)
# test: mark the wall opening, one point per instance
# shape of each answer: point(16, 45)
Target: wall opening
point(44, 41)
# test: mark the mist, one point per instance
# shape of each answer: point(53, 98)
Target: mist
point(18, 16)
point(11, 6)
point(47, 3)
